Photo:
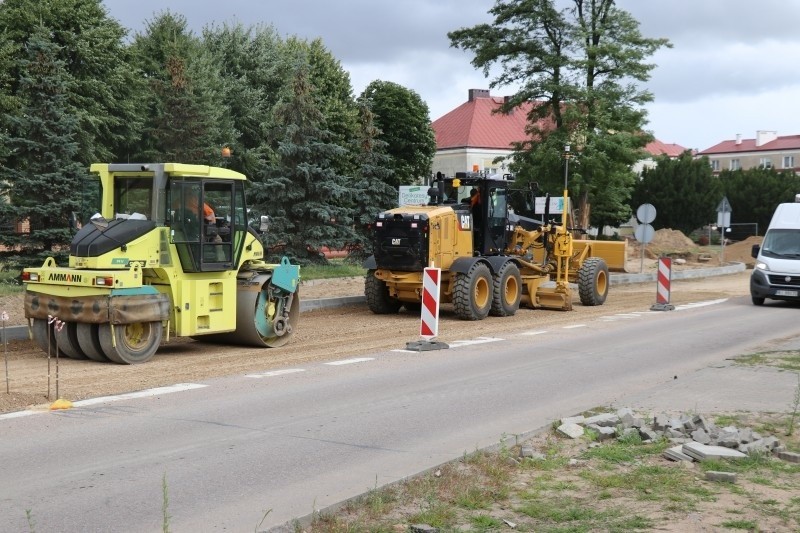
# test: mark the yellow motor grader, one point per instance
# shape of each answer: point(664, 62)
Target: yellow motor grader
point(492, 259)
point(170, 251)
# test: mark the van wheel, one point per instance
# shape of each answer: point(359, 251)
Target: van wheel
point(757, 300)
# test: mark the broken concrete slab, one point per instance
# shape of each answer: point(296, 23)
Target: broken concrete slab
point(604, 419)
point(573, 431)
point(702, 452)
point(675, 454)
point(792, 457)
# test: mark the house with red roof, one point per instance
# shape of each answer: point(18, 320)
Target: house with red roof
point(766, 150)
point(473, 135)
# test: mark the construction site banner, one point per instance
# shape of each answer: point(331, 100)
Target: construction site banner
point(413, 195)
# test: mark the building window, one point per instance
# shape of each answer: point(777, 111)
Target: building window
point(736, 164)
point(788, 161)
point(715, 165)
point(765, 162)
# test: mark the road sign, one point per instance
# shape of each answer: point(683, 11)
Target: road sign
point(724, 205)
point(646, 213)
point(644, 233)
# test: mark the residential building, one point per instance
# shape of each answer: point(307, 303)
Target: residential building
point(766, 150)
point(657, 148)
point(474, 135)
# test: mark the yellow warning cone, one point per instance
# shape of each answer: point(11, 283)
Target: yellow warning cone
point(60, 404)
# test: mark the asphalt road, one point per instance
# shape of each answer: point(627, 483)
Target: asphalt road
point(304, 438)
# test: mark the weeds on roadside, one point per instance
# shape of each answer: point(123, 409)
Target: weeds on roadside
point(164, 505)
point(794, 407)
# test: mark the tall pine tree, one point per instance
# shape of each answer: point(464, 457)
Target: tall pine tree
point(43, 176)
point(186, 120)
point(309, 202)
point(374, 194)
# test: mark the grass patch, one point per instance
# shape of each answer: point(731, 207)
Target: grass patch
point(337, 268)
point(575, 488)
point(786, 360)
point(10, 282)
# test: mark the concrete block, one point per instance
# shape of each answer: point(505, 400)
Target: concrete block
point(605, 419)
point(526, 451)
point(688, 423)
point(702, 452)
point(728, 437)
point(580, 419)
point(699, 435)
point(726, 477)
point(625, 411)
point(573, 431)
point(675, 454)
point(660, 422)
point(746, 435)
point(603, 432)
point(649, 434)
point(701, 422)
point(791, 457)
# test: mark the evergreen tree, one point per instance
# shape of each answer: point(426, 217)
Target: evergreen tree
point(104, 90)
point(578, 67)
point(684, 192)
point(404, 121)
point(374, 194)
point(39, 183)
point(754, 193)
point(254, 71)
point(186, 120)
point(309, 202)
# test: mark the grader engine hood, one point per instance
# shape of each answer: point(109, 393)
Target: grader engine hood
point(401, 241)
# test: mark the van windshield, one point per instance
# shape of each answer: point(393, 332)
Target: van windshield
point(782, 243)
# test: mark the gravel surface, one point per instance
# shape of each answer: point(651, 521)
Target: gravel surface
point(323, 334)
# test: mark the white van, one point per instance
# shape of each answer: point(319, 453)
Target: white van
point(777, 271)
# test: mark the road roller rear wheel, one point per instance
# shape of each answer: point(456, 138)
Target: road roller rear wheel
point(45, 338)
point(89, 341)
point(67, 338)
point(130, 344)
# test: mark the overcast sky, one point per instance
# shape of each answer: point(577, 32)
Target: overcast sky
point(732, 69)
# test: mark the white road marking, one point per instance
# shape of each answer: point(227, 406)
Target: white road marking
point(575, 326)
point(692, 305)
point(180, 387)
point(275, 373)
point(534, 332)
point(479, 340)
point(350, 361)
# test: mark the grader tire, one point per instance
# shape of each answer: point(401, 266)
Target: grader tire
point(472, 293)
point(89, 341)
point(131, 344)
point(377, 294)
point(67, 338)
point(507, 291)
point(593, 281)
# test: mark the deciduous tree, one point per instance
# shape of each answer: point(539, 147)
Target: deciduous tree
point(404, 121)
point(579, 67)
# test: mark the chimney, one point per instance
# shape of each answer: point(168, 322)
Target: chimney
point(738, 138)
point(763, 137)
point(477, 93)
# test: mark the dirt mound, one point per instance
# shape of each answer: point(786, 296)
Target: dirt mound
point(741, 251)
point(668, 240)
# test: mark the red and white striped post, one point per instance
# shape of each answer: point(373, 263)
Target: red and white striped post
point(663, 282)
point(429, 319)
point(429, 315)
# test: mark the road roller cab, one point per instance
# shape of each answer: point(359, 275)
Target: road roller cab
point(168, 252)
